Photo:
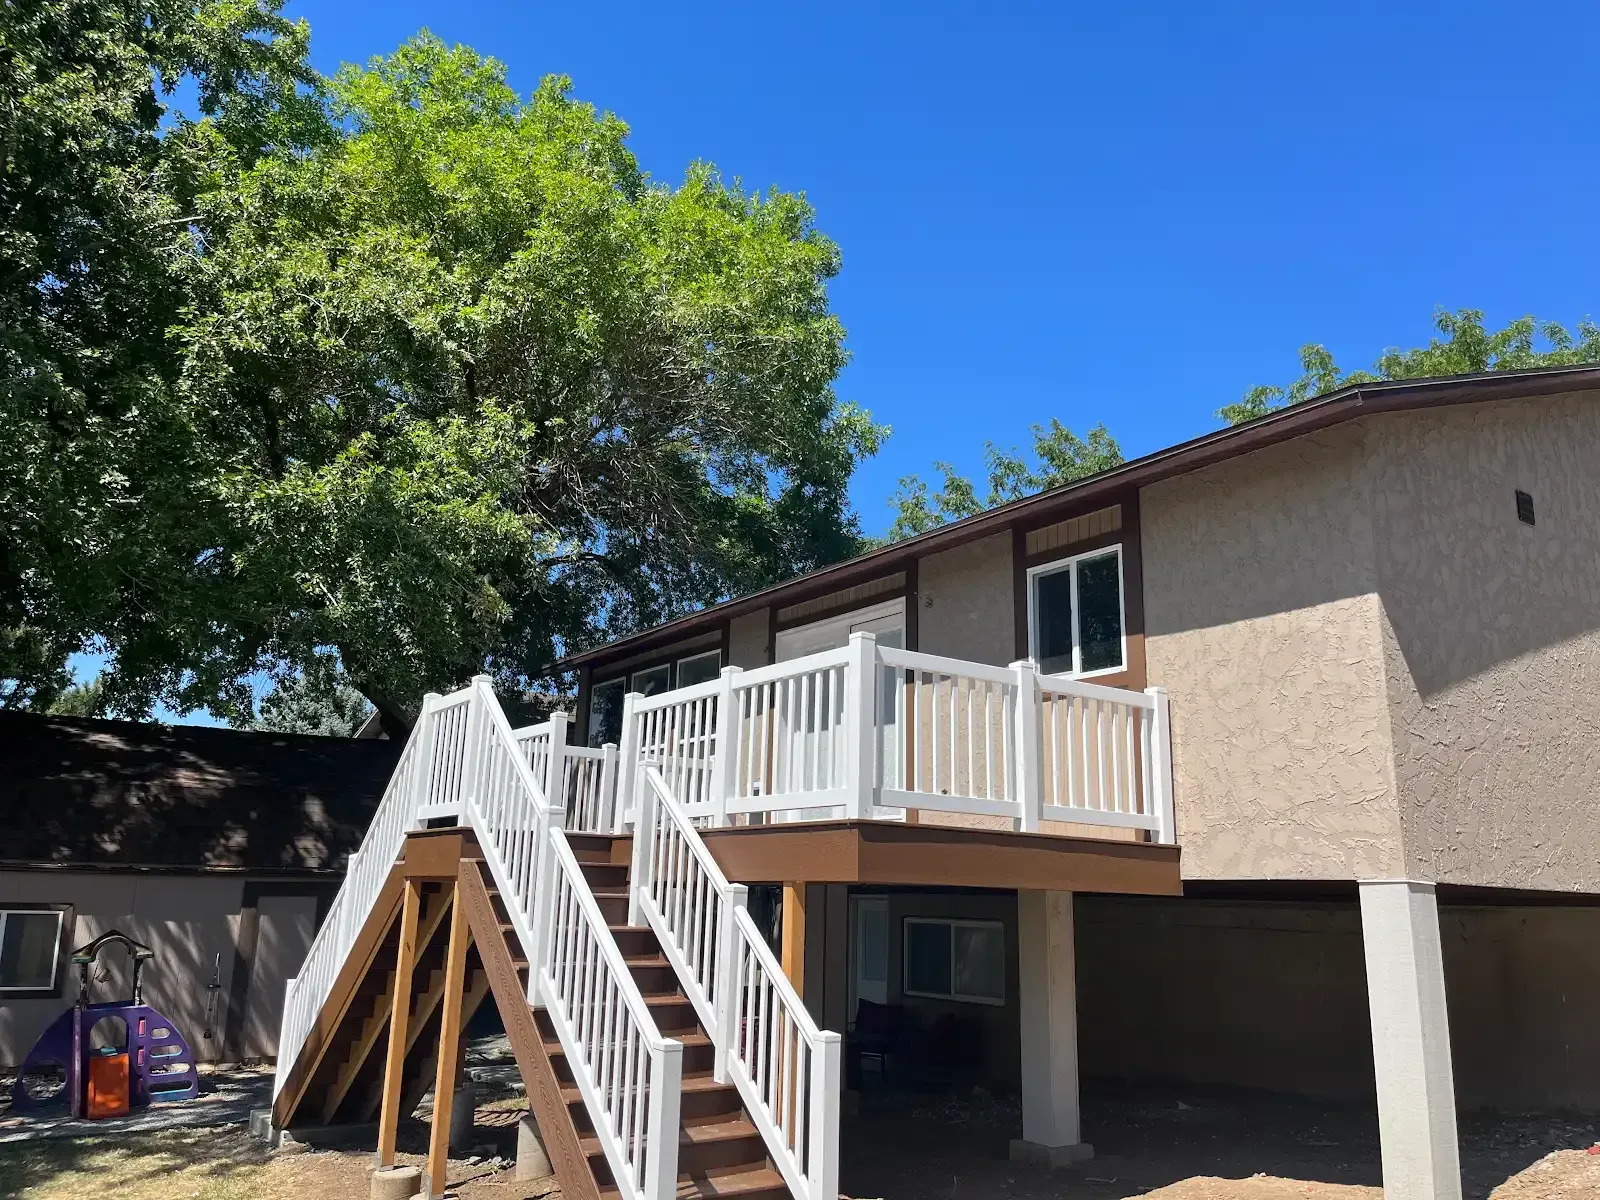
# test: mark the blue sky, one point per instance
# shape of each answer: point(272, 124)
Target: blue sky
point(1123, 213)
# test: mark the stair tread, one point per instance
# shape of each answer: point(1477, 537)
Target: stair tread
point(692, 1135)
point(553, 1048)
point(691, 1083)
point(736, 1183)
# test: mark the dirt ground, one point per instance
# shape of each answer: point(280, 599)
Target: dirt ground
point(1206, 1146)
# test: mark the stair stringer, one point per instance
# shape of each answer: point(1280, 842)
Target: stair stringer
point(346, 986)
point(538, 1075)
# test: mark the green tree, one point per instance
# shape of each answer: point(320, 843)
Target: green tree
point(1466, 348)
point(315, 699)
point(462, 386)
point(1060, 457)
point(79, 700)
point(99, 183)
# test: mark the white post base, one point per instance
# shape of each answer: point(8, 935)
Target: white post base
point(1410, 1040)
point(1051, 1130)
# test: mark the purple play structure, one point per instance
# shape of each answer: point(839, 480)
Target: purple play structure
point(161, 1066)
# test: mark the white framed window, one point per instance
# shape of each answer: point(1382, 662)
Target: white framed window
point(605, 713)
point(955, 960)
point(31, 949)
point(652, 681)
point(699, 668)
point(1076, 622)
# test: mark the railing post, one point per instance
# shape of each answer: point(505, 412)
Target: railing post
point(472, 747)
point(1029, 762)
point(646, 817)
point(736, 900)
point(725, 758)
point(424, 769)
point(827, 1083)
point(861, 717)
point(629, 755)
point(605, 802)
point(1161, 766)
point(555, 782)
point(661, 1130)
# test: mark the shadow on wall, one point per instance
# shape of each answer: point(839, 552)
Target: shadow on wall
point(102, 792)
point(1417, 508)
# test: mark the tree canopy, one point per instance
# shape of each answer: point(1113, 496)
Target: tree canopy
point(431, 376)
point(1466, 348)
point(1059, 456)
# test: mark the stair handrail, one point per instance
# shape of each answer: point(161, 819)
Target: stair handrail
point(630, 1076)
point(787, 1071)
point(408, 791)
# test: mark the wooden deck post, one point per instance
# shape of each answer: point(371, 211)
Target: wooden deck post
point(399, 1013)
point(444, 1080)
point(794, 936)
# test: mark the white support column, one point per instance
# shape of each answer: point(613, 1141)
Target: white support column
point(1410, 1040)
point(555, 780)
point(1051, 1132)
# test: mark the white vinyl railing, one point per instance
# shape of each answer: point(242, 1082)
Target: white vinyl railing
point(869, 731)
point(516, 790)
point(787, 1070)
point(630, 1076)
point(365, 874)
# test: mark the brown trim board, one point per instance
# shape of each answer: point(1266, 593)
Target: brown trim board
point(888, 852)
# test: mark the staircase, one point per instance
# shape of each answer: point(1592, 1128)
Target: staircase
point(664, 1056)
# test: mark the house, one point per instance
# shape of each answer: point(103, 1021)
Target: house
point(1263, 760)
point(220, 849)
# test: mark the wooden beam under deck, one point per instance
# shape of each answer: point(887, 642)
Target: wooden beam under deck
point(891, 853)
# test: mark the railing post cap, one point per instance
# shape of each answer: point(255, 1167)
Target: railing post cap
point(1023, 664)
point(483, 679)
point(732, 670)
point(1155, 691)
point(864, 635)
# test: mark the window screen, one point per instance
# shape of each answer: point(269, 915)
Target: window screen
point(1075, 617)
point(1052, 599)
point(1100, 612)
point(955, 960)
point(653, 681)
point(699, 668)
point(605, 713)
point(29, 944)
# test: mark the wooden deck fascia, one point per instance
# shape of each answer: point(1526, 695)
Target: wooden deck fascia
point(891, 853)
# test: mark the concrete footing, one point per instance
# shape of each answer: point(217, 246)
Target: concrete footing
point(461, 1115)
point(396, 1183)
point(533, 1161)
point(1051, 1157)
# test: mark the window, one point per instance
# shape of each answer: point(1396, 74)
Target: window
point(605, 713)
point(699, 668)
point(955, 960)
point(30, 949)
point(1075, 614)
point(652, 681)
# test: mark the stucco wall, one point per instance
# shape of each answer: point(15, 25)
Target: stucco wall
point(968, 602)
point(1263, 622)
point(747, 640)
point(1492, 643)
point(186, 920)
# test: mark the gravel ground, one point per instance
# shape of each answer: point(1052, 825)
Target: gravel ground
point(1200, 1145)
